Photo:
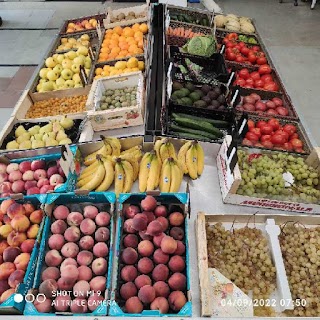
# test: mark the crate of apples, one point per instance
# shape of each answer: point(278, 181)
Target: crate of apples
point(19, 226)
point(272, 134)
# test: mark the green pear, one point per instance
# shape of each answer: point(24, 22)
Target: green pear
point(19, 131)
point(61, 135)
point(25, 144)
point(37, 144)
point(45, 137)
point(51, 142)
point(12, 145)
point(56, 126)
point(24, 137)
point(66, 123)
point(46, 128)
point(34, 130)
point(38, 136)
point(65, 141)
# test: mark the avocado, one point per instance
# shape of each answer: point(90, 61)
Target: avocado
point(187, 101)
point(195, 96)
point(200, 104)
point(185, 91)
point(179, 101)
point(199, 92)
point(177, 86)
point(179, 93)
point(190, 86)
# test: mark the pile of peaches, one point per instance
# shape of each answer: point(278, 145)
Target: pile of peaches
point(19, 226)
point(153, 266)
point(76, 263)
point(81, 25)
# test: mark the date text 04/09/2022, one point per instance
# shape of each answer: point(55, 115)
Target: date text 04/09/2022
point(264, 302)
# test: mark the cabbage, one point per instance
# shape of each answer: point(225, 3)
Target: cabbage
point(204, 46)
point(220, 20)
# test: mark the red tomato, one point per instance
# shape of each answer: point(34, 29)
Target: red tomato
point(256, 131)
point(274, 123)
point(264, 69)
point(256, 48)
point(230, 56)
point(296, 143)
point(250, 82)
point(259, 83)
point(240, 82)
point(278, 139)
point(247, 142)
point(242, 44)
point(232, 36)
point(252, 137)
point(267, 78)
point(248, 86)
point(283, 133)
point(266, 129)
point(252, 58)
point(267, 144)
point(258, 144)
point(250, 124)
point(266, 137)
point(244, 73)
point(271, 86)
point(272, 112)
point(261, 60)
point(278, 102)
point(288, 146)
point(240, 59)
point(282, 111)
point(294, 136)
point(245, 51)
point(260, 124)
point(300, 150)
point(230, 44)
point(255, 75)
point(290, 129)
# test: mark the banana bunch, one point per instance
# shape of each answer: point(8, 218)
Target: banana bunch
point(149, 175)
point(164, 149)
point(171, 176)
point(191, 159)
point(125, 175)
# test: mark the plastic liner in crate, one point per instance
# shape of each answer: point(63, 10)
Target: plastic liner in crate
point(198, 69)
point(98, 17)
point(224, 122)
point(174, 202)
point(180, 41)
point(265, 95)
point(104, 202)
point(15, 303)
point(242, 129)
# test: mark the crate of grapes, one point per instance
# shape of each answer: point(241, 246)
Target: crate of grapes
point(255, 278)
point(269, 178)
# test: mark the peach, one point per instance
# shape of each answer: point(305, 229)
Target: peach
point(22, 260)
point(103, 219)
point(177, 281)
point(144, 236)
point(16, 278)
point(52, 170)
point(131, 211)
point(181, 248)
point(30, 184)
point(176, 264)
point(62, 303)
point(90, 212)
point(56, 241)
point(168, 245)
point(147, 294)
point(159, 257)
point(145, 248)
point(50, 273)
point(130, 240)
point(129, 256)
point(5, 230)
point(98, 284)
point(128, 227)
point(43, 307)
point(85, 273)
point(15, 176)
point(100, 249)
point(24, 166)
point(149, 203)
point(99, 266)
point(18, 186)
point(155, 228)
point(129, 273)
point(43, 182)
point(48, 288)
point(160, 211)
point(142, 280)
point(65, 285)
point(20, 223)
point(6, 220)
point(86, 243)
point(150, 215)
point(3, 246)
point(160, 273)
point(10, 253)
point(5, 204)
point(70, 250)
point(157, 239)
point(46, 189)
point(29, 208)
point(61, 212)
point(3, 177)
point(162, 289)
point(145, 265)
point(84, 258)
point(3, 168)
point(177, 300)
point(6, 269)
point(87, 227)
point(7, 294)
point(140, 222)
point(81, 289)
point(94, 301)
point(102, 234)
point(69, 273)
point(161, 304)
point(79, 305)
point(15, 209)
point(40, 174)
point(164, 222)
point(59, 226)
point(56, 179)
point(176, 219)
point(72, 234)
point(53, 258)
point(33, 231)
point(128, 290)
point(36, 216)
point(133, 305)
point(15, 239)
point(12, 167)
point(27, 245)
point(68, 262)
point(74, 219)
point(28, 176)
point(4, 286)
point(38, 164)
point(177, 233)
point(5, 189)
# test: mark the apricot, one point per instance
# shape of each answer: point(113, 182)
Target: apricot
point(5, 230)
point(15, 239)
point(15, 209)
point(33, 230)
point(29, 208)
point(36, 216)
point(5, 204)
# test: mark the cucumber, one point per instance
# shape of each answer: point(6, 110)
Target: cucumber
point(195, 133)
point(216, 123)
point(184, 135)
point(205, 22)
point(181, 18)
point(199, 125)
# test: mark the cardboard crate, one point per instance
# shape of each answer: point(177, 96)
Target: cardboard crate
point(230, 179)
point(176, 202)
point(104, 201)
point(16, 302)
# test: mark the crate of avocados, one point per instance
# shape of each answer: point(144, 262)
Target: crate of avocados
point(152, 276)
point(269, 179)
point(75, 262)
point(21, 230)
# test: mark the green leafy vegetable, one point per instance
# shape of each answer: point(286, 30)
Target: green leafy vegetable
point(203, 46)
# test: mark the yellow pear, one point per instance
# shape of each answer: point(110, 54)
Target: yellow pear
point(66, 123)
point(34, 130)
point(37, 144)
point(65, 141)
point(51, 142)
point(61, 135)
point(19, 131)
point(12, 145)
point(25, 145)
point(24, 137)
point(46, 128)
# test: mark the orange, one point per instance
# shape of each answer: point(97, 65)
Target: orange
point(104, 56)
point(98, 71)
point(123, 46)
point(138, 35)
point(128, 32)
point(139, 51)
point(112, 55)
point(132, 48)
point(123, 52)
point(109, 31)
point(113, 43)
point(105, 49)
point(136, 27)
point(118, 30)
point(140, 44)
point(143, 28)
point(115, 36)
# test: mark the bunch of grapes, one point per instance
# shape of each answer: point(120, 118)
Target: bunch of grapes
point(262, 176)
point(300, 248)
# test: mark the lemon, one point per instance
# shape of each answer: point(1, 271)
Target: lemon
point(120, 65)
point(132, 63)
point(141, 65)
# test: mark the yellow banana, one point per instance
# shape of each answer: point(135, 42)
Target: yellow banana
point(96, 179)
point(154, 173)
point(171, 150)
point(90, 159)
point(134, 163)
point(119, 178)
point(128, 176)
point(144, 171)
point(191, 162)
point(200, 159)
point(131, 150)
point(115, 145)
point(108, 177)
point(164, 152)
point(165, 177)
point(176, 177)
point(88, 170)
point(156, 148)
point(182, 156)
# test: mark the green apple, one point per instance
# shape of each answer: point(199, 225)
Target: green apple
point(60, 82)
point(87, 64)
point(47, 86)
point(79, 60)
point(71, 54)
point(78, 85)
point(66, 74)
point(66, 63)
point(69, 84)
point(43, 73)
point(42, 80)
point(58, 68)
point(55, 56)
point(75, 68)
point(50, 63)
point(52, 75)
point(39, 87)
point(76, 78)
point(82, 50)
point(60, 58)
